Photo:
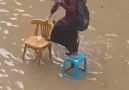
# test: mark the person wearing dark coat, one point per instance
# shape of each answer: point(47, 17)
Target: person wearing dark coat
point(64, 31)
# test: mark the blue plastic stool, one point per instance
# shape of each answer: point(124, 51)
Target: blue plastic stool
point(75, 62)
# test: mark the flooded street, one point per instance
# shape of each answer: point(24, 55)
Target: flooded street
point(105, 43)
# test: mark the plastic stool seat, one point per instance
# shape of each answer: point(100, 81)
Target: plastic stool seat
point(75, 62)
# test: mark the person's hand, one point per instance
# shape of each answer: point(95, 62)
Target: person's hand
point(48, 17)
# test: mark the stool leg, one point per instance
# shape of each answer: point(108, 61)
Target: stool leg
point(50, 51)
point(25, 47)
point(85, 66)
point(72, 65)
point(75, 71)
point(63, 68)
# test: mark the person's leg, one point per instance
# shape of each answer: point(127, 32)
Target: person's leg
point(72, 47)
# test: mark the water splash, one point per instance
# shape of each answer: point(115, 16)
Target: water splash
point(55, 57)
point(19, 84)
point(91, 28)
point(56, 62)
point(60, 75)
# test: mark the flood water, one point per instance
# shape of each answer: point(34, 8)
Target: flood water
point(105, 43)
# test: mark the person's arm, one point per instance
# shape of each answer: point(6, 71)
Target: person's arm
point(71, 7)
point(54, 8)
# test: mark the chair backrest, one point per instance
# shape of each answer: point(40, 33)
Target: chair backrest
point(38, 24)
point(45, 27)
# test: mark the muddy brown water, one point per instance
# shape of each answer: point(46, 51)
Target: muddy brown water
point(105, 43)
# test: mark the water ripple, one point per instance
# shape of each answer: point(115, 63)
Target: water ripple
point(8, 55)
point(3, 3)
point(20, 10)
point(28, 15)
point(13, 18)
point(19, 71)
point(3, 75)
point(112, 35)
point(17, 3)
point(9, 24)
point(4, 10)
point(9, 63)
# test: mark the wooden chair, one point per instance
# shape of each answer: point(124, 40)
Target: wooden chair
point(39, 41)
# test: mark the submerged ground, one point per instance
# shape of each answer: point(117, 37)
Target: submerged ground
point(105, 43)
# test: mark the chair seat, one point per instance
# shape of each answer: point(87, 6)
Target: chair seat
point(36, 42)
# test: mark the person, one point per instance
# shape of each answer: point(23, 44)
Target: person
point(64, 31)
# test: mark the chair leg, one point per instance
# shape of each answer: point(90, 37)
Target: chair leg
point(23, 56)
point(50, 51)
point(38, 57)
